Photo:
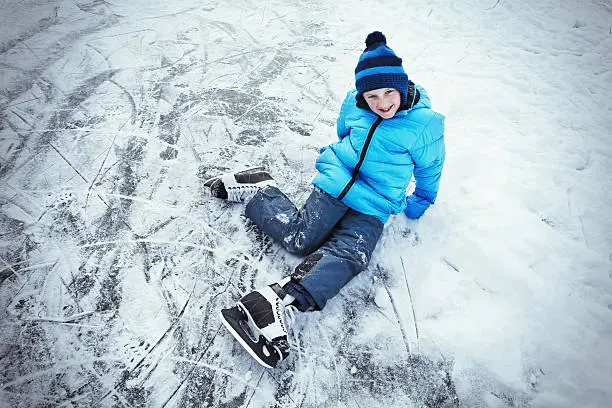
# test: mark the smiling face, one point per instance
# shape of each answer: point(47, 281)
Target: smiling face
point(383, 101)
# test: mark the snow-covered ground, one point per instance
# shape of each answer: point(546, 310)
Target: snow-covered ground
point(115, 262)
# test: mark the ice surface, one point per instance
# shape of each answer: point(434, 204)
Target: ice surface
point(115, 262)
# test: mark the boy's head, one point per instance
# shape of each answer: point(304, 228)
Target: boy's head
point(380, 68)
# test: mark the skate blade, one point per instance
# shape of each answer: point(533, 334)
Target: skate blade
point(208, 182)
point(242, 341)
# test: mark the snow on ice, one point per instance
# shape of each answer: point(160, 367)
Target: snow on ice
point(115, 262)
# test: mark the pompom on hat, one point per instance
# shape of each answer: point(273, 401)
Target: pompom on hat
point(379, 67)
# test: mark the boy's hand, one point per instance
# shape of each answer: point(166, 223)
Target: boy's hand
point(415, 206)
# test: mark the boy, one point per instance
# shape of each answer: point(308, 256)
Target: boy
point(386, 134)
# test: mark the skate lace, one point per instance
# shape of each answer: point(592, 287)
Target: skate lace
point(242, 193)
point(289, 316)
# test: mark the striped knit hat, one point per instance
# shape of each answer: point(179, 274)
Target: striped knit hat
point(379, 67)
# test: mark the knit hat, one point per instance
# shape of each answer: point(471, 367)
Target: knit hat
point(379, 67)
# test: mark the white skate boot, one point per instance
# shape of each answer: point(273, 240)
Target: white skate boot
point(239, 186)
point(260, 322)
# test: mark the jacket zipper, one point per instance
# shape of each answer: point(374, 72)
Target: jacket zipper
point(364, 150)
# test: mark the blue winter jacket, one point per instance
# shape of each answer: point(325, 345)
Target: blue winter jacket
point(410, 143)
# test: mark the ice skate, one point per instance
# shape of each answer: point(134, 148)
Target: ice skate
point(239, 186)
point(260, 322)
